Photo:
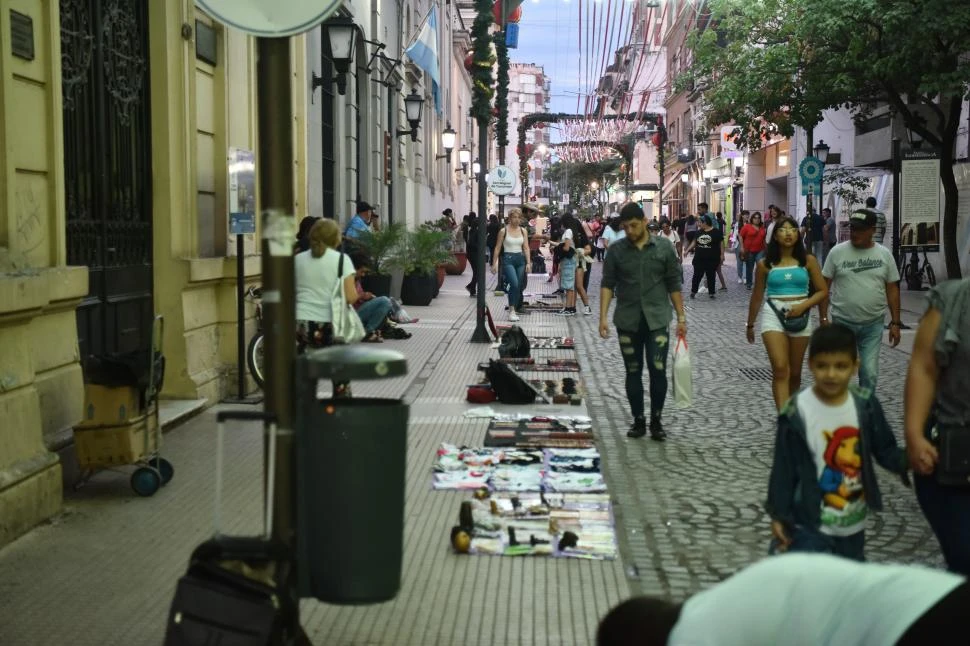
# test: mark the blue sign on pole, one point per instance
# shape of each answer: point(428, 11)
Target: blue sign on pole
point(512, 35)
point(242, 223)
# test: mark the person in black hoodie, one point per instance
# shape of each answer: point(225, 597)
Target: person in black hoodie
point(469, 230)
point(708, 255)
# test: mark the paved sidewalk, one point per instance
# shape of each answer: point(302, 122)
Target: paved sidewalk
point(689, 511)
point(104, 571)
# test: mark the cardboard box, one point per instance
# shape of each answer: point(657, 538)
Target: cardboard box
point(104, 446)
point(106, 406)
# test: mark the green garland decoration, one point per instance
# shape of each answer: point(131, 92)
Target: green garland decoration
point(482, 62)
point(502, 94)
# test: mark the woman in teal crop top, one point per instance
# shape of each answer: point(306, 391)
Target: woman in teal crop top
point(787, 282)
point(784, 276)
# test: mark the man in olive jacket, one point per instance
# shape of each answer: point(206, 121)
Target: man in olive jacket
point(645, 274)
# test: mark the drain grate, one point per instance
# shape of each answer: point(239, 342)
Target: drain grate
point(756, 374)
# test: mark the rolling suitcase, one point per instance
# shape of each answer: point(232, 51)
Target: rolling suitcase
point(234, 592)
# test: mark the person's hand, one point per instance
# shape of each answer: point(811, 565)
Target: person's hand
point(494, 269)
point(894, 335)
point(750, 334)
point(795, 310)
point(604, 328)
point(368, 295)
point(682, 329)
point(922, 455)
point(779, 533)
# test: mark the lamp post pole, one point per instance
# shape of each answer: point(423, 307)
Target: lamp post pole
point(896, 155)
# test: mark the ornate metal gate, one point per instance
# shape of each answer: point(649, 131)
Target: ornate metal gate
point(107, 168)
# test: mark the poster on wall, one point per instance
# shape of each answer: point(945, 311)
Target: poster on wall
point(919, 201)
point(242, 191)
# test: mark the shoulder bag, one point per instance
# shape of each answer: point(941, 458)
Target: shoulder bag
point(347, 326)
point(790, 323)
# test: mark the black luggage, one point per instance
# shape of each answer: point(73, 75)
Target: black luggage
point(235, 590)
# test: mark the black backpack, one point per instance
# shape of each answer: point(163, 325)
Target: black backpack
point(509, 387)
point(514, 344)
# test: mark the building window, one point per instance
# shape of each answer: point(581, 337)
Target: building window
point(205, 43)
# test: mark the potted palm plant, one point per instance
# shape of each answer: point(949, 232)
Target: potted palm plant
point(381, 247)
point(458, 249)
point(423, 250)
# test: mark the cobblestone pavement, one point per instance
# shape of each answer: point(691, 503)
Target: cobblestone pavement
point(690, 510)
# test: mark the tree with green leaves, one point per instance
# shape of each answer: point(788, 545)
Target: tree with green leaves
point(770, 66)
point(581, 175)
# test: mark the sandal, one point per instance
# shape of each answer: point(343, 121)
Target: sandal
point(373, 337)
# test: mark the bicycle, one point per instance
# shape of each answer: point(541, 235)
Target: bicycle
point(254, 353)
point(913, 271)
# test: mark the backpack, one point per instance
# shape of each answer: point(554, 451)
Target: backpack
point(514, 344)
point(509, 387)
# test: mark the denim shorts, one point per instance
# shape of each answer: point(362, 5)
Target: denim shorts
point(770, 322)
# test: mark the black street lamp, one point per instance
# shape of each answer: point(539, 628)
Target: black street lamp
point(412, 109)
point(340, 42)
point(448, 137)
point(822, 154)
point(464, 158)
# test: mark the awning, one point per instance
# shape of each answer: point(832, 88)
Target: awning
point(718, 163)
point(671, 185)
point(643, 187)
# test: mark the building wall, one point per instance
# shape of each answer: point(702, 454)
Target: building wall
point(41, 393)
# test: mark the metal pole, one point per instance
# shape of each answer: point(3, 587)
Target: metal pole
point(896, 219)
point(240, 316)
point(481, 334)
point(275, 117)
point(662, 151)
point(810, 143)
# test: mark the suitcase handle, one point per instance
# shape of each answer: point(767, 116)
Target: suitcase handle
point(268, 419)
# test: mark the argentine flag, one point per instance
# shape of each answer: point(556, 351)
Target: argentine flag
point(424, 52)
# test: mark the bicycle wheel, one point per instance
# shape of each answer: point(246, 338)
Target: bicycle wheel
point(930, 275)
point(254, 357)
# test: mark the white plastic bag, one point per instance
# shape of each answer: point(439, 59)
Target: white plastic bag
point(683, 387)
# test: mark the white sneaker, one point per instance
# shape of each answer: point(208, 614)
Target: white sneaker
point(740, 281)
point(513, 316)
point(588, 311)
point(702, 290)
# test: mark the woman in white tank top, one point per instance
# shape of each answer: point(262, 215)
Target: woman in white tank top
point(513, 240)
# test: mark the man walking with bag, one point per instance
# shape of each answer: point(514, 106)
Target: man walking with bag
point(647, 278)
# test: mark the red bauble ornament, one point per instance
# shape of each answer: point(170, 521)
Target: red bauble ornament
point(540, 125)
point(656, 139)
point(514, 16)
point(495, 111)
point(469, 61)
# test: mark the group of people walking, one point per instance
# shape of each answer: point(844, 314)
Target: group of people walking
point(829, 435)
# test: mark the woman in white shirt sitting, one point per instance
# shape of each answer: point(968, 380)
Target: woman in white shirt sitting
point(316, 277)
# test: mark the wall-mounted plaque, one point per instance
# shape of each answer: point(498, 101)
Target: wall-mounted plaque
point(21, 35)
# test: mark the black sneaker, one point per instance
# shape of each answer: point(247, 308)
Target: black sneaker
point(711, 296)
point(639, 427)
point(657, 432)
point(471, 290)
point(693, 295)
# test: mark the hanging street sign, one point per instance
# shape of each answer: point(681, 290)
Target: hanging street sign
point(270, 18)
point(501, 180)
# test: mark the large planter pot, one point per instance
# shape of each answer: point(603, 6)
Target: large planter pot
point(417, 289)
point(440, 274)
point(457, 268)
point(377, 284)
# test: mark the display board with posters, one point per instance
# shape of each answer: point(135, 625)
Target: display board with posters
point(919, 201)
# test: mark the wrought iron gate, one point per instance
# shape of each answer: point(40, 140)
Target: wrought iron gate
point(107, 169)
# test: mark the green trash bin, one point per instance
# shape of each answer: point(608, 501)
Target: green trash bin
point(351, 462)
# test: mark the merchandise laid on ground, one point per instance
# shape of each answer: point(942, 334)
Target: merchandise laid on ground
point(540, 431)
point(541, 342)
point(538, 502)
point(531, 365)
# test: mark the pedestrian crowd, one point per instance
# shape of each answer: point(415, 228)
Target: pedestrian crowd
point(822, 486)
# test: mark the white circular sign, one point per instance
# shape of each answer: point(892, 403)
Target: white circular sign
point(270, 18)
point(501, 180)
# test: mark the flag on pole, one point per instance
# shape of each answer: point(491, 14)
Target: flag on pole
point(424, 52)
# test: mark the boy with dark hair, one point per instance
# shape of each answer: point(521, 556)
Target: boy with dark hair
point(823, 481)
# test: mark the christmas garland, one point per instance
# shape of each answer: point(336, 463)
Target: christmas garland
point(502, 95)
point(482, 62)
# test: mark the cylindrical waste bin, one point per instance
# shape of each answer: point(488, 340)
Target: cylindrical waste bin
point(351, 461)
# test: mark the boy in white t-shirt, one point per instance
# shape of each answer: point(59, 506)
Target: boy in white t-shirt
point(823, 480)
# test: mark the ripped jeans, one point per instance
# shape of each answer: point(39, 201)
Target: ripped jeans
point(654, 345)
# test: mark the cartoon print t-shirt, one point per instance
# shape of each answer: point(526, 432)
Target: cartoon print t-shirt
point(833, 438)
